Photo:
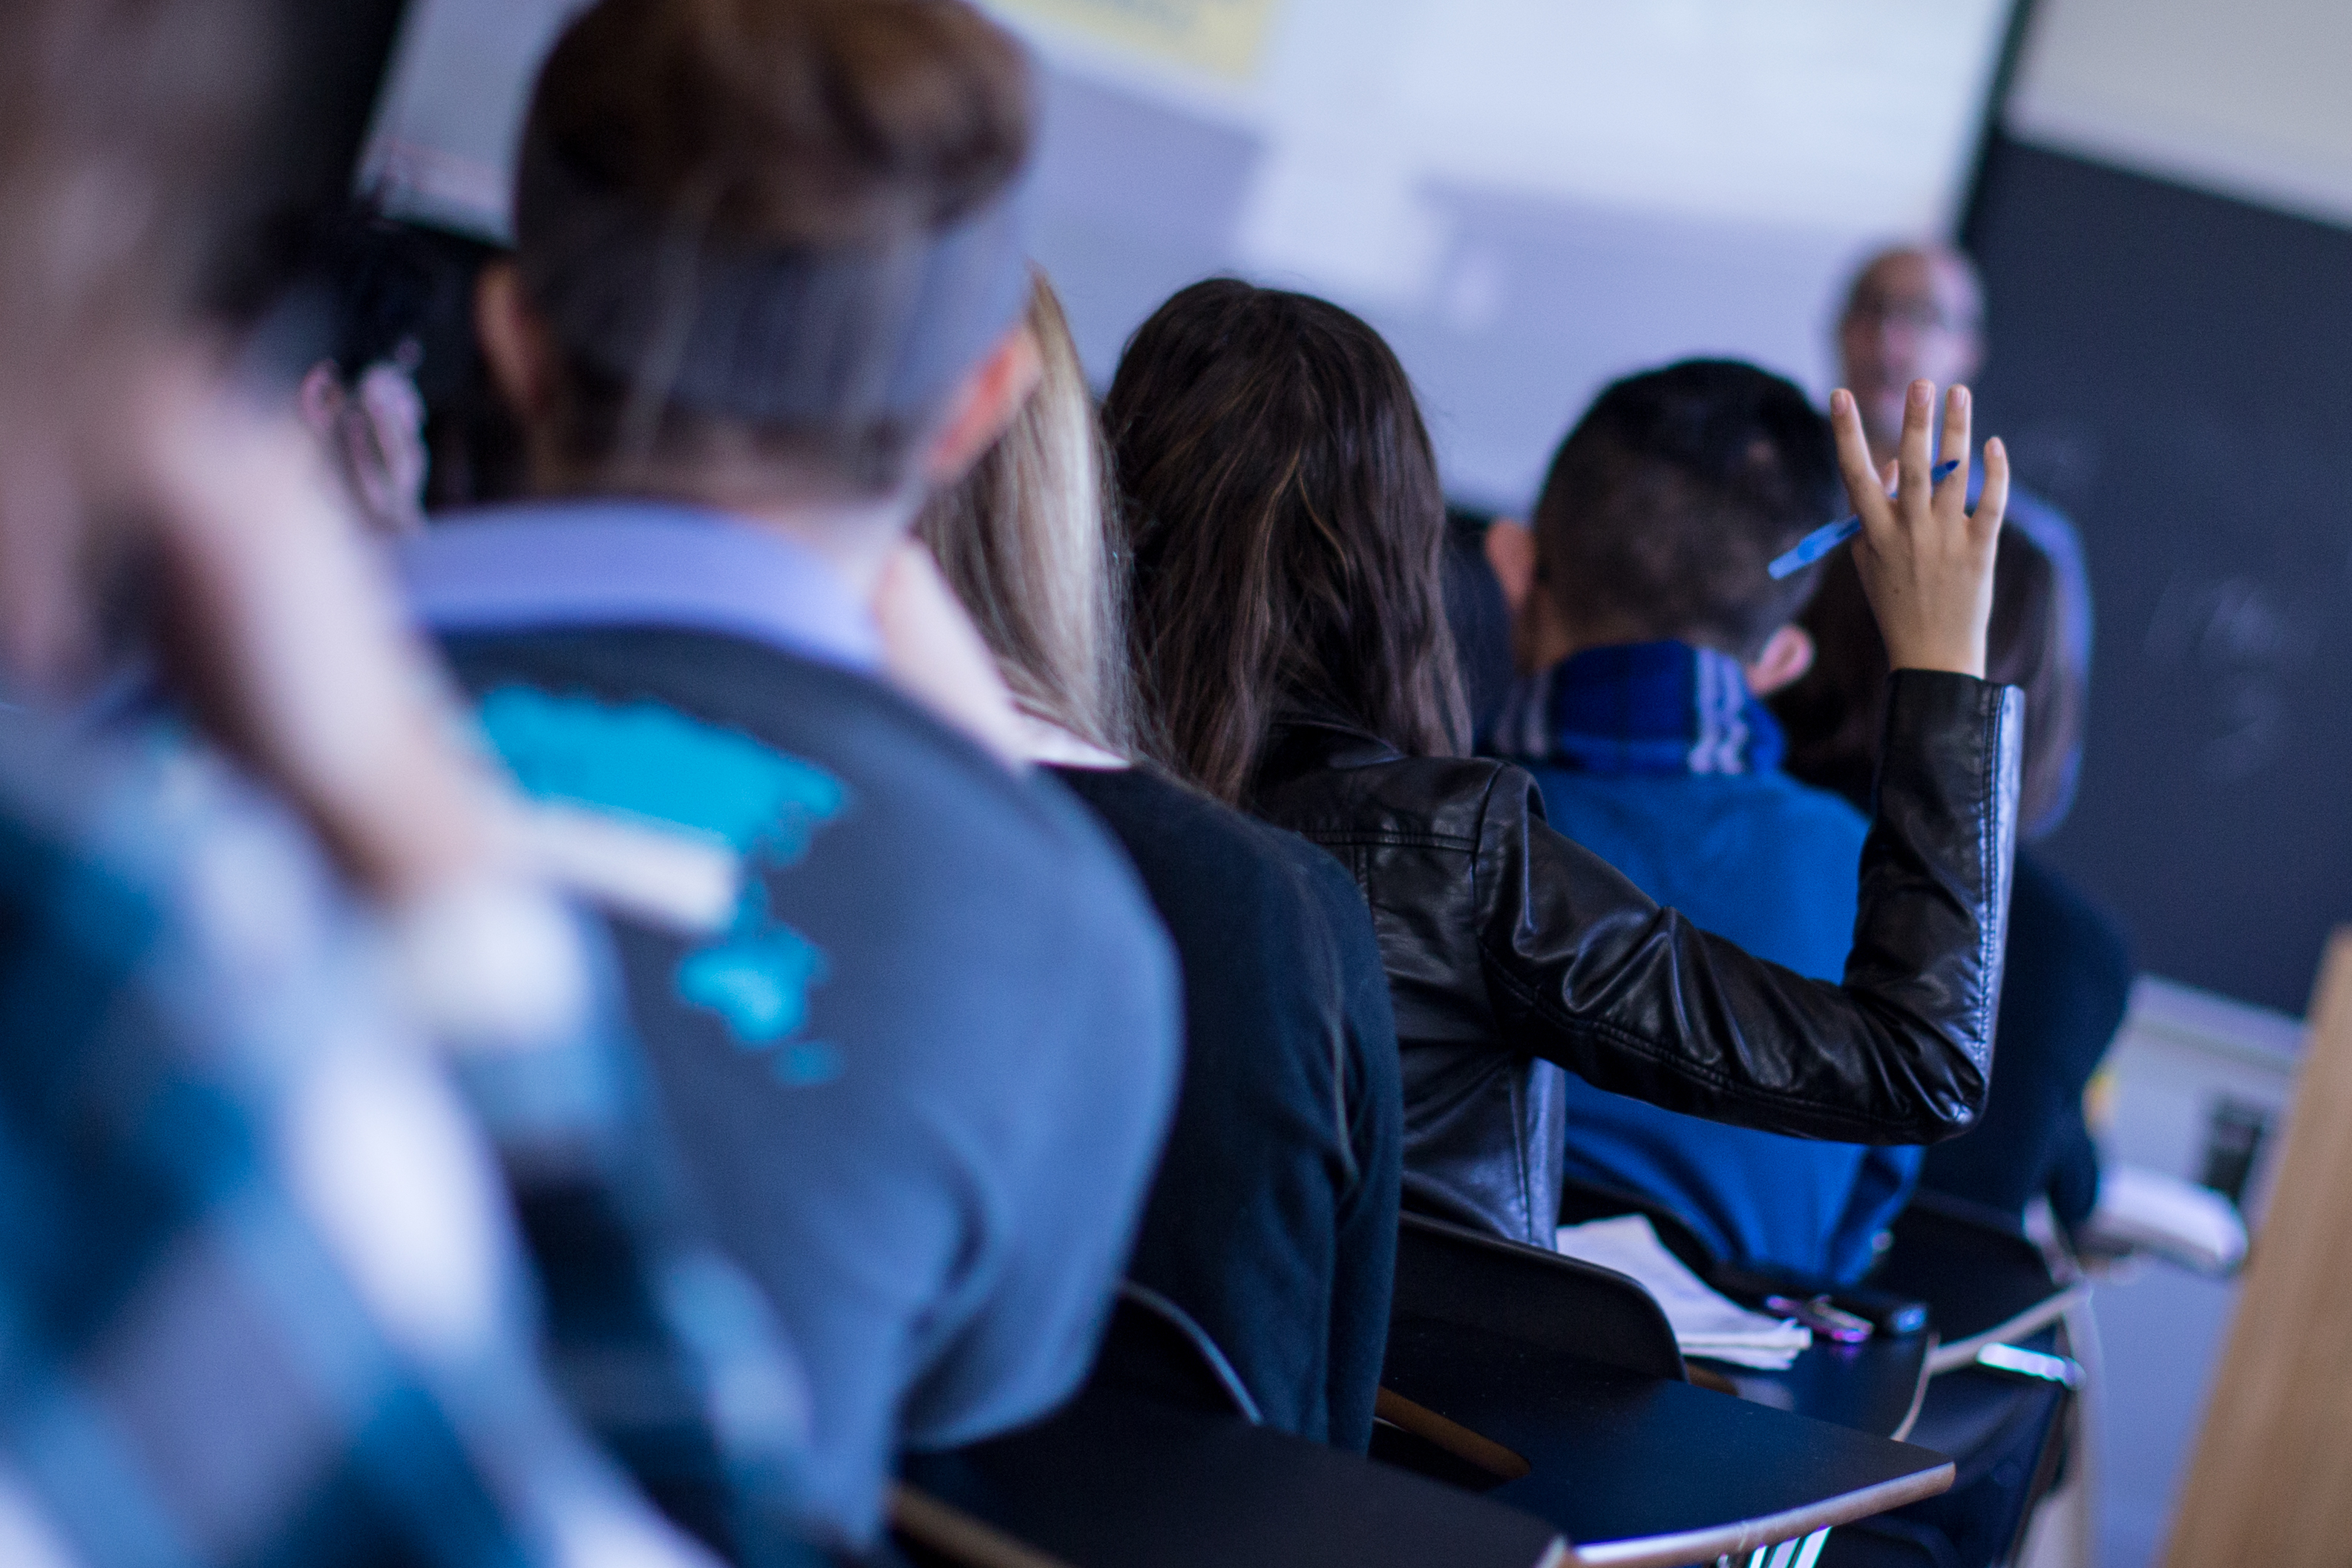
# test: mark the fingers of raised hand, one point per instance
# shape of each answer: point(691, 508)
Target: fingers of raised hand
point(1952, 494)
point(1992, 504)
point(1916, 450)
point(1863, 482)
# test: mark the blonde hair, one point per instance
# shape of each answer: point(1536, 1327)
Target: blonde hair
point(1025, 541)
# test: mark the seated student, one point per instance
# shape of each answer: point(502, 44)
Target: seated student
point(1273, 1219)
point(1653, 629)
point(263, 1301)
point(1288, 601)
point(2070, 968)
point(768, 290)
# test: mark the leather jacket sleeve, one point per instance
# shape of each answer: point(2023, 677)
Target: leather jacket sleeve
point(1586, 971)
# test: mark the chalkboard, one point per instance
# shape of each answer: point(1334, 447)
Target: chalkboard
point(2174, 370)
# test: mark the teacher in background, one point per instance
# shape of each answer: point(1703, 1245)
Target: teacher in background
point(1917, 312)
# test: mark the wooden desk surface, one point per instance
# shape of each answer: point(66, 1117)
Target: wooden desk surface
point(1644, 1473)
point(1114, 1482)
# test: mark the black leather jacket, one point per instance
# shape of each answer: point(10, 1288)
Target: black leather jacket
point(1513, 952)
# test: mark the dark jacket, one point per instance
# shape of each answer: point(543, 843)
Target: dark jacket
point(1510, 949)
point(2069, 984)
point(1273, 1219)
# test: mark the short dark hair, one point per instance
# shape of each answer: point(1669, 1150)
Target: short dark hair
point(775, 126)
point(1285, 520)
point(1834, 714)
point(1669, 497)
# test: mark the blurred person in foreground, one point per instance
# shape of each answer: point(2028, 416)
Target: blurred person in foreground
point(1918, 311)
point(1273, 1219)
point(767, 296)
point(267, 1303)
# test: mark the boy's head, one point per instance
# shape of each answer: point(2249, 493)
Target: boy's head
point(773, 235)
point(1670, 498)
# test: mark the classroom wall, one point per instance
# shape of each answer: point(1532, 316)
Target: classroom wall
point(2162, 221)
point(1528, 198)
point(2165, 225)
point(2245, 100)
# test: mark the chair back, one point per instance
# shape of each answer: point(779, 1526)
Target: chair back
point(1452, 1275)
point(1981, 1276)
point(1153, 1348)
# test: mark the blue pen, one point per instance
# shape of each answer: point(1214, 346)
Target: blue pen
point(1820, 541)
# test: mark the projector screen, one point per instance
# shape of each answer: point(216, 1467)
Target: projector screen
point(1529, 197)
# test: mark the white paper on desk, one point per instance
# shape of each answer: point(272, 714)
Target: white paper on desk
point(1704, 1323)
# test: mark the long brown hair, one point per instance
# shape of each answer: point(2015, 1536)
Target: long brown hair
point(1024, 543)
point(1284, 513)
point(1834, 713)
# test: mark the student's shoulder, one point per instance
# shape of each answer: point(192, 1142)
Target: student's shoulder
point(1151, 811)
point(1806, 808)
point(116, 854)
point(1432, 801)
point(891, 754)
point(1196, 850)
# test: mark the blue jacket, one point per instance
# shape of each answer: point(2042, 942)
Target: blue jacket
point(1707, 824)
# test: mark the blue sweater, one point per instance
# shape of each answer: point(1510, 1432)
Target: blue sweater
point(1751, 855)
point(920, 1080)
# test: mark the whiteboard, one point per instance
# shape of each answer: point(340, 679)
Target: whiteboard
point(2246, 99)
point(1529, 197)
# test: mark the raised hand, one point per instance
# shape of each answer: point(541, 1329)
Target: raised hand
point(1926, 559)
point(280, 634)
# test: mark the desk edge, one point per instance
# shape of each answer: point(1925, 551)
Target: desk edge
point(1740, 1537)
point(2033, 1321)
point(1919, 1394)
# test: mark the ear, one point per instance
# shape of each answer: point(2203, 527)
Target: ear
point(1788, 654)
point(320, 399)
point(983, 406)
point(515, 342)
point(1511, 551)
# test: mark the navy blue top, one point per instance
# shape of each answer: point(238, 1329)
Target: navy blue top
point(1273, 1218)
point(922, 1076)
point(1655, 758)
point(2053, 533)
point(2064, 994)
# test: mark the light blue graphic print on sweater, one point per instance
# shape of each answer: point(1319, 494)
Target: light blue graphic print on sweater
point(649, 762)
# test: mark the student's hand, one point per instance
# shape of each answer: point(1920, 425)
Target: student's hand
point(375, 434)
point(936, 655)
point(1925, 560)
point(279, 631)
